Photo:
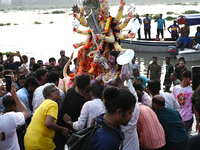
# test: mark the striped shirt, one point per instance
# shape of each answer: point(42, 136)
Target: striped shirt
point(150, 131)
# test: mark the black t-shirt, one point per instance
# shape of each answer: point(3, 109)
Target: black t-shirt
point(72, 106)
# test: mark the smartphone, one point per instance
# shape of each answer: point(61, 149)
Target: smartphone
point(195, 77)
point(8, 82)
point(3, 136)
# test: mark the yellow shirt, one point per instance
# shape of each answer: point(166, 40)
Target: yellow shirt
point(38, 136)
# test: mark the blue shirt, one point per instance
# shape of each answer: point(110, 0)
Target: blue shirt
point(160, 23)
point(144, 80)
point(104, 140)
point(146, 23)
point(198, 39)
point(186, 40)
point(23, 96)
point(13, 66)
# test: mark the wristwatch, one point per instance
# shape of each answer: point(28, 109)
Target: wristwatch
point(69, 122)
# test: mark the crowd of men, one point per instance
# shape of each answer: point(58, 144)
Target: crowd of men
point(36, 114)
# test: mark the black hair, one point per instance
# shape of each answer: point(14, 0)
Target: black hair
point(97, 90)
point(154, 57)
point(52, 59)
point(52, 77)
point(138, 86)
point(196, 100)
point(167, 58)
point(118, 98)
point(22, 77)
point(31, 81)
point(1, 67)
point(159, 102)
point(139, 95)
point(139, 79)
point(183, 61)
point(181, 58)
point(175, 74)
point(8, 101)
point(32, 58)
point(75, 60)
point(24, 57)
point(14, 72)
point(135, 69)
point(39, 61)
point(7, 55)
point(154, 86)
point(187, 74)
point(40, 72)
point(35, 67)
point(6, 72)
point(83, 81)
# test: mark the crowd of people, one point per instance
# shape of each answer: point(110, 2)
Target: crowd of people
point(184, 41)
point(37, 114)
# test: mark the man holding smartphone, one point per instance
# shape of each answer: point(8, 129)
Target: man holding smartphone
point(9, 119)
point(9, 62)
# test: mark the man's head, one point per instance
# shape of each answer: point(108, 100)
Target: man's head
point(31, 84)
point(173, 76)
point(135, 72)
point(133, 60)
point(9, 103)
point(35, 67)
point(51, 92)
point(11, 57)
point(167, 60)
point(21, 80)
point(83, 82)
point(186, 24)
point(147, 15)
point(120, 103)
point(139, 80)
point(97, 91)
point(154, 87)
point(59, 69)
point(154, 59)
point(7, 72)
point(175, 22)
point(160, 16)
point(40, 62)
point(158, 102)
point(52, 62)
point(41, 74)
point(198, 29)
point(182, 63)
point(25, 58)
point(186, 77)
point(52, 77)
point(137, 16)
point(138, 87)
point(62, 53)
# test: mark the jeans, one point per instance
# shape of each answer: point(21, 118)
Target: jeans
point(188, 124)
point(160, 31)
point(147, 31)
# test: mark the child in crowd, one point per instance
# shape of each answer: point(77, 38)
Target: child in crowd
point(21, 80)
point(157, 38)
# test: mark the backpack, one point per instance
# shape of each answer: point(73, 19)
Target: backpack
point(81, 140)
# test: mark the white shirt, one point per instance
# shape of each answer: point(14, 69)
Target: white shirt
point(146, 99)
point(170, 101)
point(131, 141)
point(38, 97)
point(131, 67)
point(90, 110)
point(8, 124)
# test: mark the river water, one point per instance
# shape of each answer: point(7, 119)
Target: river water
point(46, 40)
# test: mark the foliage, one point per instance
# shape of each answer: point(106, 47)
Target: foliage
point(58, 12)
point(5, 53)
point(51, 22)
point(16, 24)
point(169, 13)
point(170, 18)
point(8, 24)
point(46, 13)
point(191, 12)
point(156, 16)
point(36, 22)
